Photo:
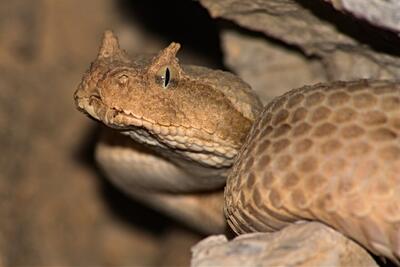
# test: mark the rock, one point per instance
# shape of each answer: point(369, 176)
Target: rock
point(383, 13)
point(304, 244)
point(338, 40)
point(270, 68)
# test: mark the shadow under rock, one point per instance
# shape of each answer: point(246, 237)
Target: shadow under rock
point(181, 21)
point(377, 38)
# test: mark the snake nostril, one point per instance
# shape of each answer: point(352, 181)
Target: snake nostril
point(123, 80)
point(95, 96)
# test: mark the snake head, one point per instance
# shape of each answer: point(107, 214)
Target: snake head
point(157, 101)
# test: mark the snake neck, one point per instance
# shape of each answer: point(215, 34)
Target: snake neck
point(207, 164)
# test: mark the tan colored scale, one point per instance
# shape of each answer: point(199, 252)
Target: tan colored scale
point(328, 152)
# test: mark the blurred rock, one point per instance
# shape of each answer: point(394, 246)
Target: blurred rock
point(305, 244)
point(55, 209)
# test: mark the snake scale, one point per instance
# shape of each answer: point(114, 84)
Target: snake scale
point(328, 152)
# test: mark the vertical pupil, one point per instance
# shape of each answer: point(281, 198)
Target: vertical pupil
point(167, 77)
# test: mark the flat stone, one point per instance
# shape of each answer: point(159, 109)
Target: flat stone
point(303, 244)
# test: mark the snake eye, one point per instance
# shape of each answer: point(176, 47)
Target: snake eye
point(165, 76)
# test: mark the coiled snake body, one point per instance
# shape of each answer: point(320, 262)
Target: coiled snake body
point(328, 152)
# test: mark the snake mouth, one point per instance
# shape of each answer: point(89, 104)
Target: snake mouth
point(94, 106)
point(196, 144)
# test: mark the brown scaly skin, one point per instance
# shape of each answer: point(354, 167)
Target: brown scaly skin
point(328, 152)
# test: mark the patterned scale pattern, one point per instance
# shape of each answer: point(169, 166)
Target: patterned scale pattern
point(328, 152)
